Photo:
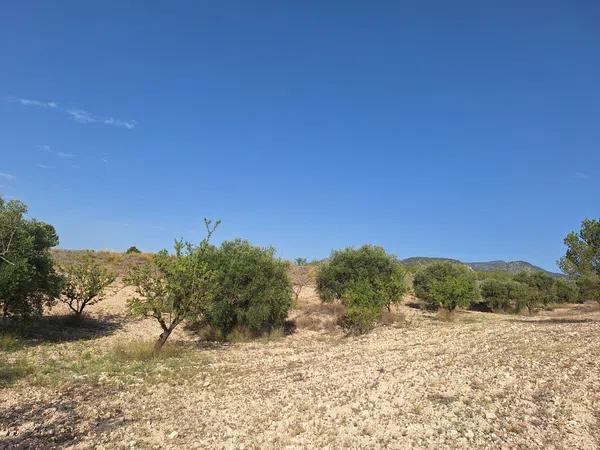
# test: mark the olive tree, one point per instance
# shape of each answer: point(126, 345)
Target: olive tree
point(365, 280)
point(174, 287)
point(84, 283)
point(445, 285)
point(253, 293)
point(28, 281)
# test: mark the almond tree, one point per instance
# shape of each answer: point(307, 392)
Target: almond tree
point(174, 287)
point(84, 283)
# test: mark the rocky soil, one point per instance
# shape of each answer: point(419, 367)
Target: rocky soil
point(480, 380)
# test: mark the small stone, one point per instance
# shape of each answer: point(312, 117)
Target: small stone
point(173, 435)
point(490, 415)
point(469, 434)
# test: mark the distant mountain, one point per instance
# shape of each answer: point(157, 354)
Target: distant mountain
point(509, 266)
point(486, 266)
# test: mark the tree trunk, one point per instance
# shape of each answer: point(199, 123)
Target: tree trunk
point(162, 339)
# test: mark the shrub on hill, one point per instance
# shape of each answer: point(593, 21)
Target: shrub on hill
point(84, 283)
point(132, 249)
point(365, 280)
point(445, 285)
point(500, 295)
point(174, 287)
point(253, 294)
point(28, 281)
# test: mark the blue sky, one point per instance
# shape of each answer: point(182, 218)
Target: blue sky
point(464, 129)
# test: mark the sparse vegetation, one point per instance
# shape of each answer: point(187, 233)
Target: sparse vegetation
point(84, 283)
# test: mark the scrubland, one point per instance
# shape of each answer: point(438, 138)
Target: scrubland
point(422, 380)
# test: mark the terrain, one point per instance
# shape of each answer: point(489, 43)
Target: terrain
point(512, 267)
point(478, 380)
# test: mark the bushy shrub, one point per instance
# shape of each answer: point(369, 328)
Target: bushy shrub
point(588, 285)
point(84, 283)
point(369, 263)
point(28, 281)
point(445, 285)
point(542, 283)
point(365, 280)
point(363, 308)
point(253, 289)
point(566, 291)
point(132, 249)
point(501, 294)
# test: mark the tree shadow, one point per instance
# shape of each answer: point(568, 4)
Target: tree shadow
point(64, 328)
point(54, 423)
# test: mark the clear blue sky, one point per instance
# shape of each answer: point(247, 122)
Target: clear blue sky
point(465, 129)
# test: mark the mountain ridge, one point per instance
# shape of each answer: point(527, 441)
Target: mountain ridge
point(483, 266)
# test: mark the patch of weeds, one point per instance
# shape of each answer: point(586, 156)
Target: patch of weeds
point(132, 361)
point(10, 343)
point(12, 371)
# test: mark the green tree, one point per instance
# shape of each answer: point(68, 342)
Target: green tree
point(28, 281)
point(445, 285)
point(84, 283)
point(254, 293)
point(366, 280)
point(369, 263)
point(582, 259)
point(175, 287)
point(541, 282)
point(132, 249)
point(566, 291)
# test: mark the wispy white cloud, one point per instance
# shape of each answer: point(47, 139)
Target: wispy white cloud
point(44, 166)
point(38, 103)
point(581, 175)
point(7, 176)
point(48, 149)
point(77, 114)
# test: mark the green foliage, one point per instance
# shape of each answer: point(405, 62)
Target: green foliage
point(301, 261)
point(28, 281)
point(10, 372)
point(253, 289)
point(542, 283)
point(582, 259)
point(588, 285)
point(9, 342)
point(503, 294)
point(132, 249)
point(84, 283)
point(566, 291)
point(368, 263)
point(363, 307)
point(445, 285)
point(365, 280)
point(174, 287)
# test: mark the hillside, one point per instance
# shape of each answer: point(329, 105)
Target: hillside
point(483, 266)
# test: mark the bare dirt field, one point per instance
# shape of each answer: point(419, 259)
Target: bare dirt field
point(480, 380)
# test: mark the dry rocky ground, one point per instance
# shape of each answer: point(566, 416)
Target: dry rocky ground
point(478, 381)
